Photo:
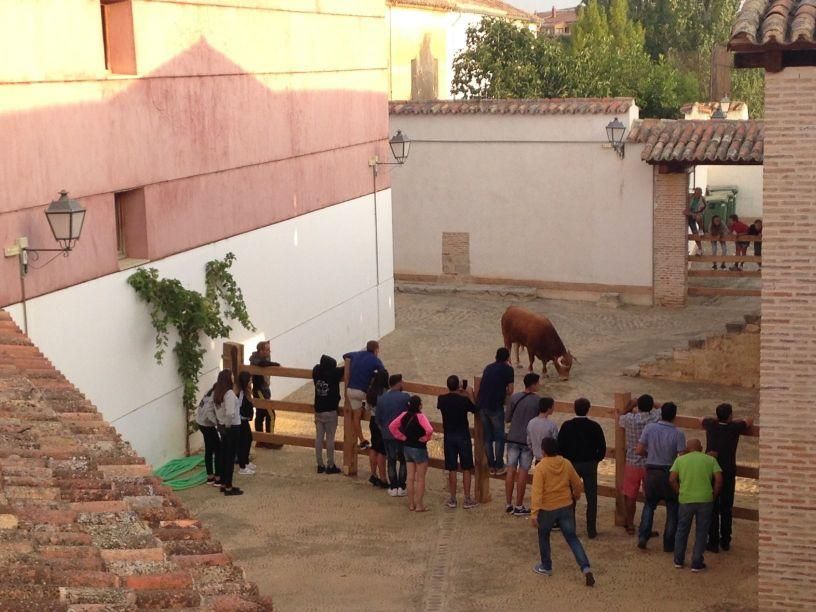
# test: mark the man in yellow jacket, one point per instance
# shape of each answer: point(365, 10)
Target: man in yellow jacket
point(555, 486)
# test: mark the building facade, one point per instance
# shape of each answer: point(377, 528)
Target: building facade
point(779, 37)
point(189, 129)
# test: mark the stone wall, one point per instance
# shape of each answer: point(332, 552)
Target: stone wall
point(730, 359)
point(787, 452)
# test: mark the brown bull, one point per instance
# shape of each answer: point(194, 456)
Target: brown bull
point(537, 334)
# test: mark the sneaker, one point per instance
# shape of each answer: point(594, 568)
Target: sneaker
point(726, 546)
point(365, 445)
point(540, 569)
point(501, 471)
point(521, 511)
point(393, 492)
point(333, 469)
point(451, 503)
point(678, 565)
point(714, 267)
point(492, 471)
point(722, 266)
point(233, 491)
point(246, 472)
point(469, 503)
point(590, 579)
point(401, 492)
point(713, 548)
point(252, 466)
point(321, 469)
point(698, 568)
point(642, 544)
point(374, 480)
point(509, 508)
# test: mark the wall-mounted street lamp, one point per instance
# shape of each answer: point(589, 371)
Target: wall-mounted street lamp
point(400, 147)
point(65, 218)
point(614, 134)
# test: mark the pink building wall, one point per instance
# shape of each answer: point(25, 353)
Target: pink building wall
point(251, 113)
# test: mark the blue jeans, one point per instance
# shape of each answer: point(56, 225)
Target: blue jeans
point(493, 425)
point(657, 488)
point(701, 513)
point(566, 519)
point(393, 454)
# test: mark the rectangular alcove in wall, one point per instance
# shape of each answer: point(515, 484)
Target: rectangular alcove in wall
point(131, 226)
point(117, 36)
point(456, 253)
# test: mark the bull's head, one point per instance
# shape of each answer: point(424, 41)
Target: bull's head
point(563, 364)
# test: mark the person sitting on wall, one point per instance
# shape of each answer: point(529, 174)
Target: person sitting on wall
point(264, 419)
point(360, 367)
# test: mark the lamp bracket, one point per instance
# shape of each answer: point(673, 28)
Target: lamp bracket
point(18, 247)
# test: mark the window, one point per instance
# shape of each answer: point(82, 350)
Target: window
point(131, 225)
point(117, 36)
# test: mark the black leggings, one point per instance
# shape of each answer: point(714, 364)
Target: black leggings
point(229, 443)
point(263, 420)
point(212, 445)
point(244, 443)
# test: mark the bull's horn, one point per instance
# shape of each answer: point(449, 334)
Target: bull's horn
point(560, 362)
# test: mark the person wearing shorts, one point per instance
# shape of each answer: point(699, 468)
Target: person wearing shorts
point(458, 446)
point(360, 367)
point(637, 414)
point(413, 429)
point(523, 408)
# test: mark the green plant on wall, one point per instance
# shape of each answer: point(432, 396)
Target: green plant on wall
point(191, 314)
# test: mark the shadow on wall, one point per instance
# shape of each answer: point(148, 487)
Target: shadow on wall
point(250, 155)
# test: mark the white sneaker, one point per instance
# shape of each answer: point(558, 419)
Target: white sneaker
point(393, 492)
point(401, 492)
point(246, 472)
point(252, 466)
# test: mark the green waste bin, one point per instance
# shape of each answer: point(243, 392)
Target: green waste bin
point(715, 206)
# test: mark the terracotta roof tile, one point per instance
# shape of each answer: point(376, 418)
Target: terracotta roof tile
point(482, 7)
point(83, 522)
point(708, 108)
point(544, 106)
point(774, 24)
point(699, 142)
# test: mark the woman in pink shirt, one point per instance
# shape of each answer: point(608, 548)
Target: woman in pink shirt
point(414, 430)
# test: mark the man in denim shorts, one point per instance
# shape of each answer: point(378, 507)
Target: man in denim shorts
point(523, 407)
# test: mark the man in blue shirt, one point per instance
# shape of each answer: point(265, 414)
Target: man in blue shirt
point(495, 388)
point(360, 367)
point(391, 404)
point(660, 443)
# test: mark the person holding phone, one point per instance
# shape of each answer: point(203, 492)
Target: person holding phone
point(458, 446)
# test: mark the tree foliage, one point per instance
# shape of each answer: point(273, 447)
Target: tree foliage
point(191, 314)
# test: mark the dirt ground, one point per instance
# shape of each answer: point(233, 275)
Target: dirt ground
point(314, 542)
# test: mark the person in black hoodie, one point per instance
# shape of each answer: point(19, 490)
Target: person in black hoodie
point(264, 419)
point(582, 442)
point(326, 376)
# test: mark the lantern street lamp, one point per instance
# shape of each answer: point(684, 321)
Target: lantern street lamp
point(614, 134)
point(400, 147)
point(65, 218)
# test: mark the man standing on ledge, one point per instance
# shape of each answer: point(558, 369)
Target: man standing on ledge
point(360, 366)
point(495, 388)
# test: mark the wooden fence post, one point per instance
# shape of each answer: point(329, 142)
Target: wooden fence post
point(232, 357)
point(349, 437)
point(482, 484)
point(621, 401)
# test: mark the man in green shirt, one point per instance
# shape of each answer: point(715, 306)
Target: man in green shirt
point(697, 478)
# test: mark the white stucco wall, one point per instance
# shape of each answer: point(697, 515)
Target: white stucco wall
point(310, 285)
point(749, 181)
point(544, 198)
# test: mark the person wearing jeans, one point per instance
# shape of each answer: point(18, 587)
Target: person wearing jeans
point(326, 377)
point(556, 486)
point(228, 417)
point(697, 478)
point(389, 405)
point(495, 388)
point(660, 443)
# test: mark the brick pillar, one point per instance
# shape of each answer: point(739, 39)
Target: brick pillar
point(787, 450)
point(670, 247)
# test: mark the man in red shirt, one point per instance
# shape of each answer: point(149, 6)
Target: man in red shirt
point(737, 228)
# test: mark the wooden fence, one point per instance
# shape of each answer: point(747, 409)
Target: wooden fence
point(233, 359)
point(707, 239)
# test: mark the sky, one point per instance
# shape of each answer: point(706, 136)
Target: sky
point(542, 5)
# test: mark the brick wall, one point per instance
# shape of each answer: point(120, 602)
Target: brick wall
point(787, 496)
point(670, 246)
point(456, 253)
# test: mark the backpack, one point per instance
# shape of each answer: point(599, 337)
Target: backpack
point(205, 412)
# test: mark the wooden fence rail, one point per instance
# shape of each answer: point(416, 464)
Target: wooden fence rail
point(233, 359)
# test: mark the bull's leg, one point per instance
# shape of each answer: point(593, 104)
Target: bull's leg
point(532, 359)
point(544, 372)
point(518, 359)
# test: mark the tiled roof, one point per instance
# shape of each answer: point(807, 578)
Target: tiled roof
point(708, 108)
point(565, 15)
point(774, 24)
point(83, 523)
point(481, 7)
point(551, 106)
point(699, 142)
